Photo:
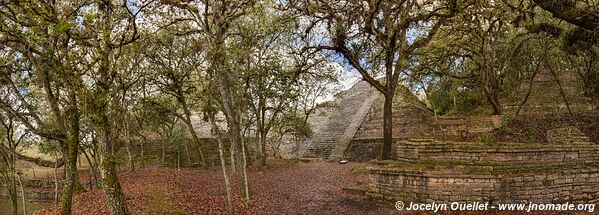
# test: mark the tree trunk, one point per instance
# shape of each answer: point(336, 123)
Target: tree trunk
point(12, 191)
point(77, 186)
point(493, 99)
point(561, 89)
point(55, 187)
point(233, 114)
point(93, 169)
point(261, 114)
point(23, 196)
point(227, 90)
point(187, 153)
point(455, 102)
point(532, 77)
point(129, 156)
point(128, 145)
point(387, 127)
point(263, 149)
point(163, 153)
point(232, 156)
point(224, 167)
point(71, 183)
point(193, 134)
point(491, 89)
point(246, 188)
point(142, 157)
point(112, 187)
point(200, 146)
point(110, 183)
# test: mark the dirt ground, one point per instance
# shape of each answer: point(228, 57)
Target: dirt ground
point(284, 188)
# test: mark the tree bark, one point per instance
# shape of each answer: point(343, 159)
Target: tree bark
point(12, 189)
point(232, 156)
point(263, 149)
point(387, 127)
point(23, 196)
point(93, 169)
point(566, 10)
point(223, 167)
point(246, 188)
point(112, 187)
point(71, 182)
point(228, 98)
point(261, 115)
point(163, 153)
point(56, 187)
point(493, 99)
point(129, 156)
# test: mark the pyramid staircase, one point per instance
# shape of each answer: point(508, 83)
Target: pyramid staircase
point(331, 142)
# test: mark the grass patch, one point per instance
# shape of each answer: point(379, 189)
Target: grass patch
point(5, 206)
point(157, 203)
point(359, 169)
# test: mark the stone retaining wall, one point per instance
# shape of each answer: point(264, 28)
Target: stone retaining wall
point(426, 171)
point(572, 185)
point(153, 153)
point(496, 152)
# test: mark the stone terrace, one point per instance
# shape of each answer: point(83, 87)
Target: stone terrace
point(496, 172)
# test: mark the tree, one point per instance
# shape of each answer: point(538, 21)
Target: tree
point(268, 84)
point(581, 41)
point(174, 67)
point(11, 140)
point(103, 49)
point(40, 70)
point(213, 25)
point(162, 120)
point(585, 62)
point(377, 37)
point(274, 68)
point(129, 89)
point(218, 22)
point(479, 52)
point(578, 36)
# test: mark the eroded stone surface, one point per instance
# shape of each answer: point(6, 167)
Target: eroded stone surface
point(445, 171)
point(566, 135)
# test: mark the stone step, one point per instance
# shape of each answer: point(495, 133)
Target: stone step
point(340, 124)
point(34, 194)
point(525, 154)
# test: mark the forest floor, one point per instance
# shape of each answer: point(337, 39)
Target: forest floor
point(285, 187)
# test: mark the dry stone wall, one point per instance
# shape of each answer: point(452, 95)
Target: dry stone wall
point(515, 153)
point(411, 119)
point(153, 149)
point(442, 171)
point(569, 185)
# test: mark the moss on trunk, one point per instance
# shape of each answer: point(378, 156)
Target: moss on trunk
point(112, 187)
